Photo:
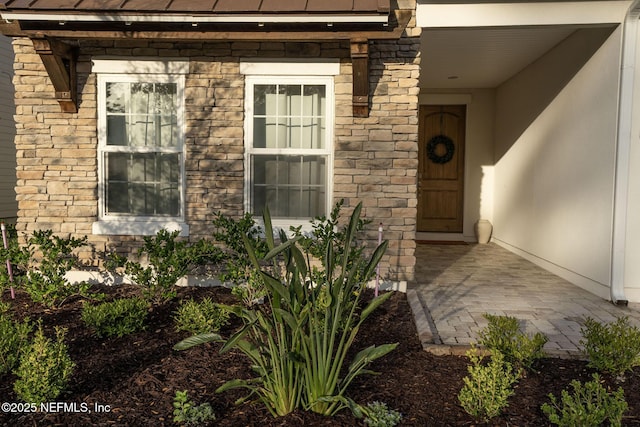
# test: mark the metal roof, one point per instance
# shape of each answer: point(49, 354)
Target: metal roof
point(200, 6)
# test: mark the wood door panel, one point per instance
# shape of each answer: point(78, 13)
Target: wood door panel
point(442, 205)
point(441, 168)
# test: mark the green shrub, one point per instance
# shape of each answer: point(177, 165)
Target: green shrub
point(14, 339)
point(200, 317)
point(503, 335)
point(116, 318)
point(186, 413)
point(378, 415)
point(613, 348)
point(45, 280)
point(166, 259)
point(300, 360)
point(590, 405)
point(44, 370)
point(232, 233)
point(18, 257)
point(487, 388)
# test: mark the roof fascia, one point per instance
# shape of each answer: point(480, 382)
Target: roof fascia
point(179, 18)
point(439, 15)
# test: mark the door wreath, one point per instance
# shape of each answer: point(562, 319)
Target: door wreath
point(448, 145)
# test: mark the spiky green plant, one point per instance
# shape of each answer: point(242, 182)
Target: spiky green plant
point(298, 347)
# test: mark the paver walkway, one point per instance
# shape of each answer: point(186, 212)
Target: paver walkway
point(456, 284)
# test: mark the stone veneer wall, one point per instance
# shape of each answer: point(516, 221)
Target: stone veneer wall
point(375, 157)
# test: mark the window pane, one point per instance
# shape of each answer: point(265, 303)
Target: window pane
point(117, 167)
point(138, 200)
point(116, 97)
point(143, 184)
point(142, 98)
point(117, 197)
point(293, 135)
point(142, 114)
point(168, 131)
point(314, 100)
point(166, 98)
point(290, 102)
point(141, 130)
point(259, 132)
point(271, 132)
point(143, 167)
point(292, 186)
point(260, 94)
point(313, 133)
point(169, 201)
point(117, 130)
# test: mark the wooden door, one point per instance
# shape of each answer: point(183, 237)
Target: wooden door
point(441, 168)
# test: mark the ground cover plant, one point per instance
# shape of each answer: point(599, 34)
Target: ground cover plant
point(187, 413)
point(116, 318)
point(379, 415)
point(200, 317)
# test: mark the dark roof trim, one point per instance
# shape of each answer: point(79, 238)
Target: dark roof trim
point(179, 18)
point(203, 19)
point(200, 6)
point(186, 30)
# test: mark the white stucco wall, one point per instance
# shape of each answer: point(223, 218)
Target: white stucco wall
point(8, 204)
point(478, 195)
point(555, 147)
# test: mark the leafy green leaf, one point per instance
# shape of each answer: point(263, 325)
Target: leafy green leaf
point(197, 340)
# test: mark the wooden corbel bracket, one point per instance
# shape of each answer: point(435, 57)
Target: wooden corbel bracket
point(360, 65)
point(59, 60)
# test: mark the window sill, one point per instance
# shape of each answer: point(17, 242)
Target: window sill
point(128, 227)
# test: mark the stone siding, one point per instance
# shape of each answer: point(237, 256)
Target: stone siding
point(375, 158)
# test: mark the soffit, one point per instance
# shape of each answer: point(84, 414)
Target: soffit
point(482, 57)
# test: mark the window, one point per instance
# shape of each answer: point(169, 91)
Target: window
point(141, 152)
point(289, 127)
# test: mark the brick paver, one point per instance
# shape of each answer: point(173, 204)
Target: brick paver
point(457, 284)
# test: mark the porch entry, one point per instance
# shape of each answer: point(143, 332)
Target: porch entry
point(441, 168)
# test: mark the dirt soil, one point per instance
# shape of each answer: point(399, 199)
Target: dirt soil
point(134, 378)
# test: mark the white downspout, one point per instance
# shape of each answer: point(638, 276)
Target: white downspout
point(625, 118)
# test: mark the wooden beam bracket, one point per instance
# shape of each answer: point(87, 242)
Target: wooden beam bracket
point(360, 65)
point(59, 60)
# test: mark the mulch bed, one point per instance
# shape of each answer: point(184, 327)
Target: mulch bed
point(135, 378)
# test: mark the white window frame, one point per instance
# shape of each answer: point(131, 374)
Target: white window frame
point(268, 72)
point(144, 71)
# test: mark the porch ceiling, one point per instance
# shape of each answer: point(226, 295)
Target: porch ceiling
point(482, 57)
